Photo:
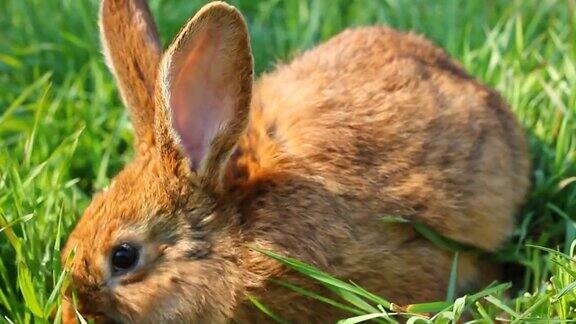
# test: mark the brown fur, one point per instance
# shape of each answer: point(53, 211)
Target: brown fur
point(372, 123)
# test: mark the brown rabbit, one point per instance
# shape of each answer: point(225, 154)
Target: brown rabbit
point(306, 163)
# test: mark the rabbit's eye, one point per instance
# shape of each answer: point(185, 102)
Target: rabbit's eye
point(124, 257)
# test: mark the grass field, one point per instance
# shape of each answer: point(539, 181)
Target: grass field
point(64, 134)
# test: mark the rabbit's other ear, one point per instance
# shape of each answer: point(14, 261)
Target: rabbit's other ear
point(132, 51)
point(206, 85)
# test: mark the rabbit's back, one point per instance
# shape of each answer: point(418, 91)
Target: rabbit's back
point(388, 119)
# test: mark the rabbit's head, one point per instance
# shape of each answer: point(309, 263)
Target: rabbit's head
point(160, 243)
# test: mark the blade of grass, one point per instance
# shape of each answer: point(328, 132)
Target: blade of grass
point(265, 310)
point(307, 293)
point(320, 276)
point(452, 282)
point(496, 302)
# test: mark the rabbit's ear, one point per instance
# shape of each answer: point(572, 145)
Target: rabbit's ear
point(132, 51)
point(206, 85)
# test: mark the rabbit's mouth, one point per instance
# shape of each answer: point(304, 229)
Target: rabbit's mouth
point(102, 318)
point(70, 316)
point(87, 310)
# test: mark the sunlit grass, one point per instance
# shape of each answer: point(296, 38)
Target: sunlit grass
point(64, 134)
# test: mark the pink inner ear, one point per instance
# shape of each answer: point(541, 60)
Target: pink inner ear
point(200, 99)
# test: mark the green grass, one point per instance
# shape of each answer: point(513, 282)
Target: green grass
point(64, 134)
